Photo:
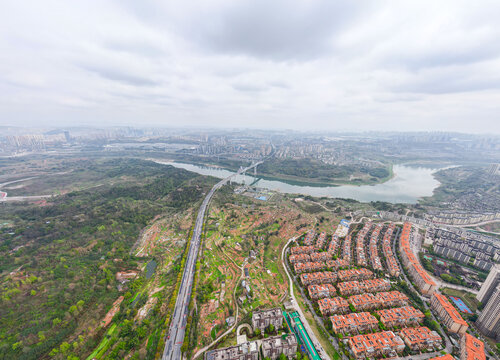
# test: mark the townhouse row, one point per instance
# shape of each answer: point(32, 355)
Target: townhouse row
point(387, 343)
point(346, 249)
point(374, 257)
point(448, 315)
point(403, 316)
point(423, 281)
point(355, 274)
point(309, 238)
point(304, 267)
point(334, 245)
point(358, 287)
point(390, 259)
point(323, 277)
point(320, 291)
point(320, 241)
point(369, 301)
point(360, 244)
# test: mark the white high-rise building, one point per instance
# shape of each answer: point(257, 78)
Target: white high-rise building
point(489, 320)
point(490, 284)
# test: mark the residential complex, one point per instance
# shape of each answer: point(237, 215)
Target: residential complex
point(403, 316)
point(245, 351)
point(353, 323)
point(346, 249)
point(423, 281)
point(320, 242)
point(489, 320)
point(471, 348)
point(264, 318)
point(377, 344)
point(358, 287)
point(333, 246)
point(274, 346)
point(360, 244)
point(320, 256)
point(421, 338)
point(448, 315)
point(374, 258)
point(490, 284)
point(324, 277)
point(330, 306)
point(390, 259)
point(321, 291)
point(464, 246)
point(355, 274)
point(309, 238)
point(369, 301)
point(302, 250)
point(299, 258)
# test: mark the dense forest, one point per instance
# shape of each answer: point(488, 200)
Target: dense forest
point(58, 261)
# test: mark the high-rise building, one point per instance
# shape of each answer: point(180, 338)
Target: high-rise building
point(490, 284)
point(489, 320)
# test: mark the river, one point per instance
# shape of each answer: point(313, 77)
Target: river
point(408, 184)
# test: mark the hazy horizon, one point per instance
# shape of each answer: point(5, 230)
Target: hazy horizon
point(335, 66)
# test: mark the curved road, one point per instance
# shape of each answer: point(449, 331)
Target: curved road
point(175, 336)
point(310, 332)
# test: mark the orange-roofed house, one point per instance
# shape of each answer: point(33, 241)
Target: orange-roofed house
point(421, 338)
point(448, 314)
point(471, 348)
point(353, 323)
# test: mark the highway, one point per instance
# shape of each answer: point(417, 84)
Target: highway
point(175, 335)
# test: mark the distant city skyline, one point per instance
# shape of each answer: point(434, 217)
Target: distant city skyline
point(322, 65)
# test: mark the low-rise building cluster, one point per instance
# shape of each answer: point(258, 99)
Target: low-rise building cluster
point(378, 344)
point(423, 281)
point(471, 348)
point(309, 238)
point(358, 287)
point(421, 338)
point(333, 245)
point(403, 316)
point(302, 250)
point(448, 315)
point(320, 241)
point(320, 256)
point(369, 301)
point(353, 323)
point(321, 291)
point(304, 267)
point(374, 258)
point(324, 277)
point(390, 259)
point(360, 244)
point(346, 249)
point(299, 258)
point(329, 306)
point(354, 274)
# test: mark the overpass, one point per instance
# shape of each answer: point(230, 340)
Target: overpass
point(176, 332)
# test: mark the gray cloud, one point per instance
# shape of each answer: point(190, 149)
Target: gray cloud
point(120, 76)
point(412, 65)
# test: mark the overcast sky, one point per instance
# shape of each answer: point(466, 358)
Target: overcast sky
point(336, 65)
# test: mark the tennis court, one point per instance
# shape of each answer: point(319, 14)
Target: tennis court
point(460, 304)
